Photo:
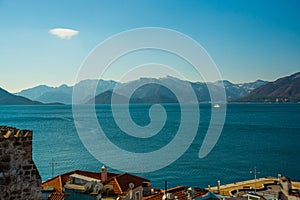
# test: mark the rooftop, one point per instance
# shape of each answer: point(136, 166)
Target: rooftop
point(227, 189)
point(83, 177)
point(296, 185)
point(179, 191)
point(119, 182)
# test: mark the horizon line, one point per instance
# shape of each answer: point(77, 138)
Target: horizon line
point(192, 81)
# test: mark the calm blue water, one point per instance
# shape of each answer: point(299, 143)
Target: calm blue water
point(262, 135)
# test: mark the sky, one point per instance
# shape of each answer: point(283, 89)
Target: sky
point(46, 42)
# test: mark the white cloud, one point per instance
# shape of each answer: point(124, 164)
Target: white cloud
point(64, 33)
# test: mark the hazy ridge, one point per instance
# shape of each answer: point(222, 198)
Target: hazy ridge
point(153, 90)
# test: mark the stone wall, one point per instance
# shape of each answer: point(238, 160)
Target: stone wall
point(19, 177)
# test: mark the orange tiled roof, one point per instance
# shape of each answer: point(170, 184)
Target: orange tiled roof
point(125, 179)
point(57, 196)
point(116, 187)
point(59, 181)
point(121, 182)
point(55, 182)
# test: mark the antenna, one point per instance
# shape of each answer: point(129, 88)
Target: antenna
point(52, 163)
point(166, 188)
point(143, 169)
point(254, 172)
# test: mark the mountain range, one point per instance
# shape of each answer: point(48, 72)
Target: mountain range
point(286, 89)
point(63, 93)
point(154, 90)
point(151, 92)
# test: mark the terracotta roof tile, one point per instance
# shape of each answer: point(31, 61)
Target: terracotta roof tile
point(55, 182)
point(59, 181)
point(120, 182)
point(57, 196)
point(124, 180)
point(116, 187)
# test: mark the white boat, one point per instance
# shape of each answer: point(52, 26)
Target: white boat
point(216, 105)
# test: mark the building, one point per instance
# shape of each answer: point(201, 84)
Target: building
point(19, 177)
point(269, 188)
point(244, 187)
point(289, 190)
point(177, 193)
point(99, 184)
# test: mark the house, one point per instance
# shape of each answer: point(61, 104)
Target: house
point(179, 192)
point(129, 186)
point(101, 184)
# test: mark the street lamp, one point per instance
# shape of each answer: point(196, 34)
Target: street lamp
point(254, 172)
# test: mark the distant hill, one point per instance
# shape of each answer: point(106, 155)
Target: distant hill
point(286, 89)
point(63, 93)
point(46, 94)
point(248, 87)
point(105, 98)
point(153, 94)
point(147, 94)
point(233, 91)
point(152, 91)
point(7, 98)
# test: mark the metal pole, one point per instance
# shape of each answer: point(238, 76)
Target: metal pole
point(166, 188)
point(255, 172)
point(166, 185)
point(255, 179)
point(52, 167)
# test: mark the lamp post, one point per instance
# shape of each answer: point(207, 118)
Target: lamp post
point(254, 172)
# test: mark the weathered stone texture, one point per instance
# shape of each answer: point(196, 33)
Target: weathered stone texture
point(19, 177)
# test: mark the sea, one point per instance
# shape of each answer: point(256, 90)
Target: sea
point(261, 135)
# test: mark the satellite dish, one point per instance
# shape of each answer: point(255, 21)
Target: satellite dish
point(108, 187)
point(88, 187)
point(98, 188)
point(131, 185)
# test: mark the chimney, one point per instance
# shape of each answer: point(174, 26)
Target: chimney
point(103, 174)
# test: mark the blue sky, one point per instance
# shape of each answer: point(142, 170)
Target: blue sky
point(248, 40)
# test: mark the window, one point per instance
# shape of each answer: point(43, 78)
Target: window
point(137, 195)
